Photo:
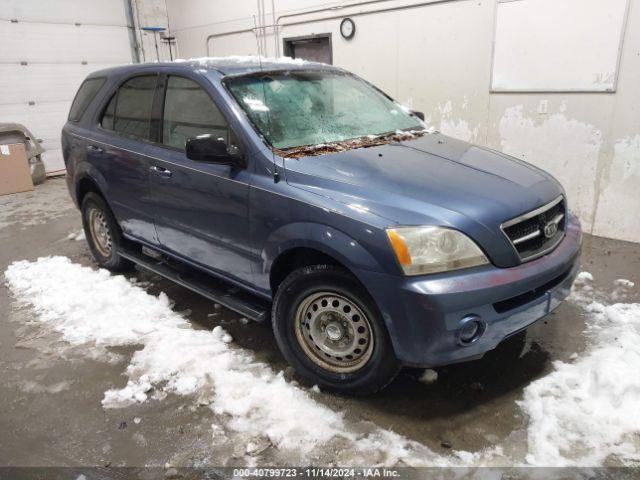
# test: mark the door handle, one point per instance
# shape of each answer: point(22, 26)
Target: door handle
point(94, 149)
point(160, 171)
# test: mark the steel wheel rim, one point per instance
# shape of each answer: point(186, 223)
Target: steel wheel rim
point(100, 233)
point(334, 332)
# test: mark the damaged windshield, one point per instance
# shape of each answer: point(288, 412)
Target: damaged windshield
point(295, 109)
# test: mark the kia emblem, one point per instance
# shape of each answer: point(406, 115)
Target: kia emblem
point(550, 229)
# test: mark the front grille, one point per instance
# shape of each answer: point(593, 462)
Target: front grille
point(532, 234)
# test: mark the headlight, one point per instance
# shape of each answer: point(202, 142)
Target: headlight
point(421, 250)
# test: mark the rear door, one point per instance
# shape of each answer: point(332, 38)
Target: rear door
point(201, 209)
point(119, 152)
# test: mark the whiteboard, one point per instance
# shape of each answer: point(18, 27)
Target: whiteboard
point(557, 45)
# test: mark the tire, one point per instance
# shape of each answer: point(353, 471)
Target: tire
point(103, 233)
point(301, 322)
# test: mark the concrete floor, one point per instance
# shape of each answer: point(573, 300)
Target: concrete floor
point(51, 413)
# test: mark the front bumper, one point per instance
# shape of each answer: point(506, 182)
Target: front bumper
point(424, 314)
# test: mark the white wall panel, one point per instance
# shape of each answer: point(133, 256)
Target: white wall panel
point(53, 159)
point(43, 82)
point(62, 43)
point(45, 120)
point(557, 45)
point(101, 12)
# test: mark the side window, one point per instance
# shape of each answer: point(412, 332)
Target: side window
point(133, 107)
point(189, 112)
point(109, 115)
point(85, 94)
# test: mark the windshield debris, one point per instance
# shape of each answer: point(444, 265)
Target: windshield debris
point(362, 142)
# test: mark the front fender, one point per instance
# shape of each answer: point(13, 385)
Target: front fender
point(328, 240)
point(335, 243)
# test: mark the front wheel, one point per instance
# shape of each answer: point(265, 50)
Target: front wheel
point(330, 330)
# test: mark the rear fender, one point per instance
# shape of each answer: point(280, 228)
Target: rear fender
point(86, 171)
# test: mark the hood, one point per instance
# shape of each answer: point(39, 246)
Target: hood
point(431, 180)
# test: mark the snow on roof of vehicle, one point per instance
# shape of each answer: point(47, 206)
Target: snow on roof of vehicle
point(249, 64)
point(232, 65)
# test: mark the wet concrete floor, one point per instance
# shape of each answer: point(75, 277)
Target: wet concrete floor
point(51, 412)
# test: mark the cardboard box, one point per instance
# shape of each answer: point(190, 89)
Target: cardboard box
point(15, 175)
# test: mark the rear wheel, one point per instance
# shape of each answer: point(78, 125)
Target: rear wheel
point(329, 329)
point(103, 234)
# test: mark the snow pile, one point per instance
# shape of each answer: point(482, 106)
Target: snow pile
point(583, 277)
point(580, 414)
point(89, 306)
point(588, 410)
point(96, 310)
point(77, 236)
point(92, 307)
point(199, 362)
point(429, 376)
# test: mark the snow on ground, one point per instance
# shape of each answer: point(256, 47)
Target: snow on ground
point(588, 409)
point(77, 236)
point(121, 314)
point(581, 413)
point(177, 359)
point(428, 376)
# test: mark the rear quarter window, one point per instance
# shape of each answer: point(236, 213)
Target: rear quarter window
point(86, 93)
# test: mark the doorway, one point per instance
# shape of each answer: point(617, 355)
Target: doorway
point(315, 48)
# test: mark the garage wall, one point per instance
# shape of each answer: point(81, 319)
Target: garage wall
point(437, 57)
point(46, 50)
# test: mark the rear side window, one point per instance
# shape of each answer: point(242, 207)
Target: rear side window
point(85, 94)
point(129, 110)
point(189, 112)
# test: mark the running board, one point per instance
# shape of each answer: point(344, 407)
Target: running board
point(229, 296)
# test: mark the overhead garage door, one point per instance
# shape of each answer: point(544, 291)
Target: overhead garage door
point(46, 49)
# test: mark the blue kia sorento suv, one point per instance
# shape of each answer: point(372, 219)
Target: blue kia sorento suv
point(297, 193)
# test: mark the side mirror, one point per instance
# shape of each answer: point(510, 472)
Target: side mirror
point(418, 114)
point(213, 149)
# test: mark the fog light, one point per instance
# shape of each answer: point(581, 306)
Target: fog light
point(471, 329)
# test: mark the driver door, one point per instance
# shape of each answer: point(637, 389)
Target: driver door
point(200, 209)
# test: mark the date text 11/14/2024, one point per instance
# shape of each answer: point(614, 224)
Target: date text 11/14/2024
point(313, 472)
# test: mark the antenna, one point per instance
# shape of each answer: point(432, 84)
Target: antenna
point(261, 13)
